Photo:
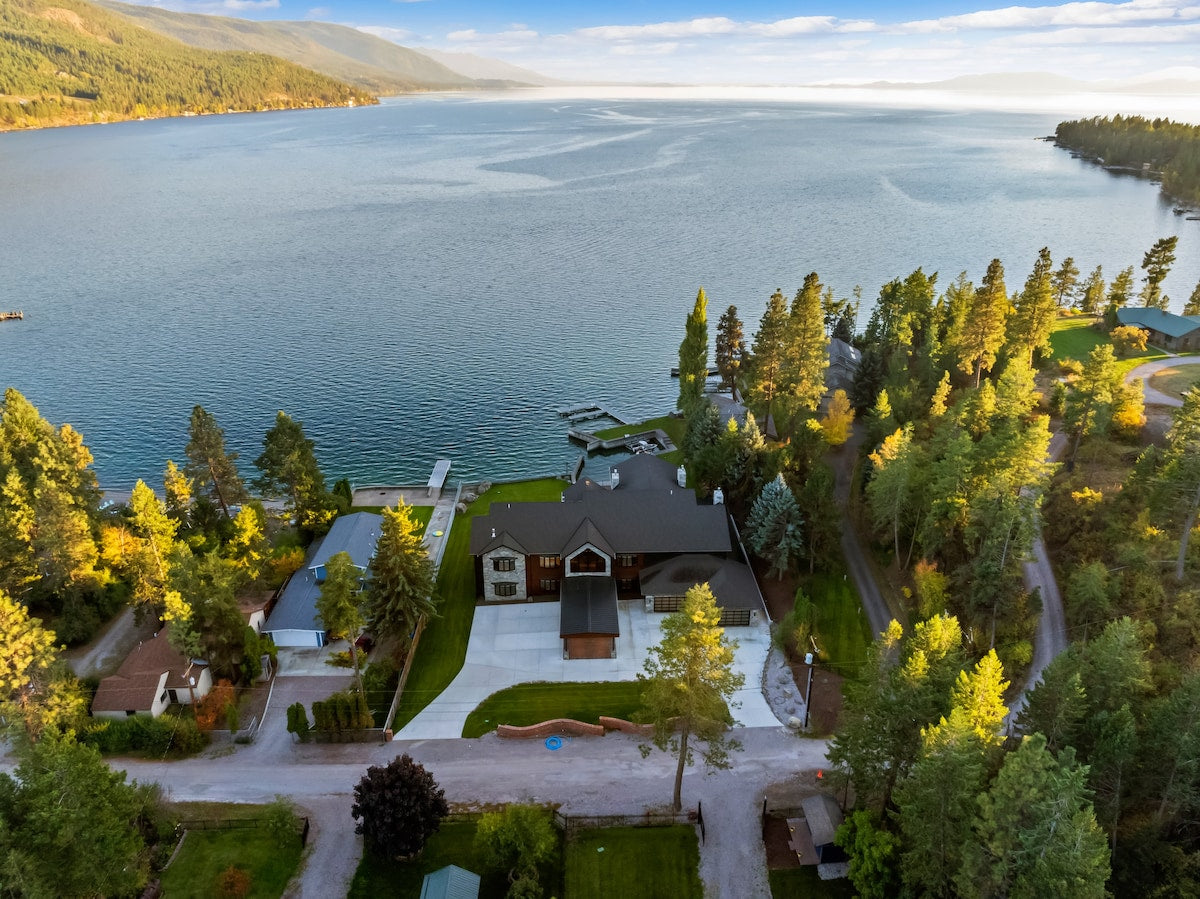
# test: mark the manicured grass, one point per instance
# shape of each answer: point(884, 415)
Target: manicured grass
point(1174, 381)
point(1074, 337)
point(453, 844)
point(206, 853)
point(443, 645)
point(840, 625)
point(647, 862)
point(803, 883)
point(527, 704)
point(675, 428)
point(420, 514)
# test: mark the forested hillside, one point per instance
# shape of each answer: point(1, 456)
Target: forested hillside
point(362, 59)
point(70, 62)
point(1172, 148)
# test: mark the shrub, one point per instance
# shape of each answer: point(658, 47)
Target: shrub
point(165, 736)
point(233, 883)
point(397, 807)
point(213, 707)
point(793, 630)
point(517, 842)
point(281, 820)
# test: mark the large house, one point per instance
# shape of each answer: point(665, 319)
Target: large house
point(642, 536)
point(294, 620)
point(152, 677)
point(1175, 333)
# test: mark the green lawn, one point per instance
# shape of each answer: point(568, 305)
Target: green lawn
point(206, 853)
point(1074, 337)
point(840, 625)
point(443, 644)
point(674, 427)
point(647, 862)
point(453, 844)
point(1174, 381)
point(803, 883)
point(420, 514)
point(533, 703)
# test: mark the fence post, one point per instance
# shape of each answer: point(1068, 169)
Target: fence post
point(304, 833)
point(700, 819)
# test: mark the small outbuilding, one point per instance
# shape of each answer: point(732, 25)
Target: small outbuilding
point(587, 620)
point(450, 882)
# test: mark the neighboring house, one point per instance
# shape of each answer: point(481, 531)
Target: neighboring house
point(450, 882)
point(843, 365)
point(294, 620)
point(255, 607)
point(152, 677)
point(601, 543)
point(812, 835)
point(1175, 333)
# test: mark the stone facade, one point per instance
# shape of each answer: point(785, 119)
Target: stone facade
point(492, 577)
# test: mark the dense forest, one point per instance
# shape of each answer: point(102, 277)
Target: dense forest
point(70, 62)
point(1172, 148)
point(958, 784)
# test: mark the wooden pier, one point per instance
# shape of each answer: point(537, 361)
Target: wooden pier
point(587, 412)
point(12, 316)
point(713, 371)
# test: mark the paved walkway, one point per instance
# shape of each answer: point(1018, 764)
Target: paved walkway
point(519, 643)
point(1147, 370)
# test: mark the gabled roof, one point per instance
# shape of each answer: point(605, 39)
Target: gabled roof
point(503, 539)
point(645, 471)
point(588, 606)
point(1156, 320)
point(732, 583)
point(297, 606)
point(824, 816)
point(635, 521)
point(355, 534)
point(136, 683)
point(587, 534)
point(450, 882)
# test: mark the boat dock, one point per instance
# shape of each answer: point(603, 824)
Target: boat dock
point(713, 371)
point(12, 316)
point(587, 412)
point(654, 440)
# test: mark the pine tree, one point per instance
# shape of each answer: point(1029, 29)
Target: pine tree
point(689, 682)
point(1033, 318)
point(730, 349)
point(807, 354)
point(983, 327)
point(768, 354)
point(693, 356)
point(1091, 292)
point(1156, 264)
point(1120, 292)
point(1064, 282)
point(773, 527)
point(400, 590)
point(177, 488)
point(289, 467)
point(212, 468)
point(1192, 307)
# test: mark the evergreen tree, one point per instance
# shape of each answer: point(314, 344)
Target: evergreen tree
point(1156, 264)
point(897, 491)
point(773, 529)
point(289, 467)
point(730, 350)
point(807, 353)
point(768, 355)
point(983, 327)
point(839, 418)
point(693, 356)
point(1091, 293)
point(248, 547)
point(177, 488)
point(1120, 292)
point(1192, 307)
point(1176, 485)
point(1036, 831)
point(1064, 282)
point(339, 605)
point(1036, 309)
point(400, 589)
point(212, 469)
point(688, 684)
point(149, 561)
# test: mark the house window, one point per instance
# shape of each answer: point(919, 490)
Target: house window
point(626, 560)
point(507, 563)
point(549, 584)
point(549, 561)
point(588, 562)
point(505, 589)
point(163, 698)
point(626, 584)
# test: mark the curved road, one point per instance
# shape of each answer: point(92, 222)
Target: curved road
point(1147, 369)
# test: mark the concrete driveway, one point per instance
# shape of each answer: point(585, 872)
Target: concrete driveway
point(519, 643)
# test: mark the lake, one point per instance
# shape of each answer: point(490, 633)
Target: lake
point(432, 277)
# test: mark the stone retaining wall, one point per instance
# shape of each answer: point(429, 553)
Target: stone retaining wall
point(569, 727)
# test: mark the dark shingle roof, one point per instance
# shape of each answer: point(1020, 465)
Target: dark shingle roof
point(636, 521)
point(297, 606)
point(589, 606)
point(1156, 320)
point(824, 816)
point(135, 685)
point(732, 583)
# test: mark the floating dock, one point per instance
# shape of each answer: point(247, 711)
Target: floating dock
point(713, 371)
point(587, 412)
point(12, 316)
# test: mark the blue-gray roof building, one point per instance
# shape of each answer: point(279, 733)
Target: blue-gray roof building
point(1177, 333)
point(450, 882)
point(294, 620)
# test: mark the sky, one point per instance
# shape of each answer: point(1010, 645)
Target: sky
point(759, 42)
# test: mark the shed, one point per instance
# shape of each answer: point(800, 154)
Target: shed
point(823, 816)
point(587, 619)
point(450, 882)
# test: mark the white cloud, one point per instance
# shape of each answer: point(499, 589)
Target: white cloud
point(514, 33)
point(1149, 34)
point(388, 33)
point(240, 5)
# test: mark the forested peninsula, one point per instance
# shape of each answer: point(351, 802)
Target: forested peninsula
point(1166, 148)
point(68, 62)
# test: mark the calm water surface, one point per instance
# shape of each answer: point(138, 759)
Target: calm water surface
point(432, 277)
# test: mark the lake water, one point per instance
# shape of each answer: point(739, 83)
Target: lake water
point(432, 277)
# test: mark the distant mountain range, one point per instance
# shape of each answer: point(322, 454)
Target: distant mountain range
point(1038, 83)
point(347, 54)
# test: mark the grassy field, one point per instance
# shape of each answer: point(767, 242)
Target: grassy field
point(647, 862)
point(533, 703)
point(206, 853)
point(1174, 381)
point(453, 844)
point(1074, 337)
point(673, 426)
point(443, 644)
point(803, 883)
point(840, 626)
point(420, 514)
